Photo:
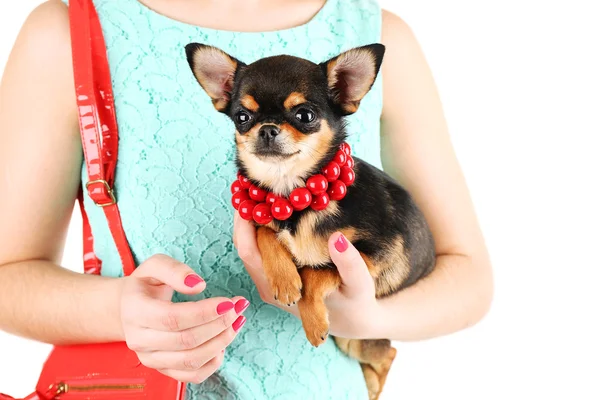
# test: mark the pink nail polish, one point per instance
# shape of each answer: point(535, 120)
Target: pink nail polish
point(224, 307)
point(192, 280)
point(341, 244)
point(241, 306)
point(237, 325)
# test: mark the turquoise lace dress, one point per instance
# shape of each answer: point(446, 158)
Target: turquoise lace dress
point(173, 175)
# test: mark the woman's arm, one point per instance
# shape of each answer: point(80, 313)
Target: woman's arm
point(40, 167)
point(458, 293)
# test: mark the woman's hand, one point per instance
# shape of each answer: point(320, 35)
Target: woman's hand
point(187, 340)
point(353, 309)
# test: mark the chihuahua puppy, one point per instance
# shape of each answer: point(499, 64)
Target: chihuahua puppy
point(289, 118)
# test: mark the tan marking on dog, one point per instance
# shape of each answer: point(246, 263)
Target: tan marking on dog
point(317, 284)
point(294, 99)
point(373, 269)
point(283, 175)
point(312, 148)
point(308, 248)
point(245, 144)
point(391, 269)
point(372, 381)
point(375, 356)
point(351, 107)
point(343, 344)
point(280, 270)
point(294, 133)
point(350, 347)
point(250, 103)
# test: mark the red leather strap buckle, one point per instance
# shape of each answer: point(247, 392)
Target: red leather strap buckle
point(101, 193)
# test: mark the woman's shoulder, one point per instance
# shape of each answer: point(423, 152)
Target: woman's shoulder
point(41, 58)
point(393, 26)
point(45, 32)
point(399, 39)
point(49, 13)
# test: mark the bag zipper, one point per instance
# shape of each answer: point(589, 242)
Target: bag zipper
point(91, 385)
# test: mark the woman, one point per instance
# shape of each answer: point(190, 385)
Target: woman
point(173, 173)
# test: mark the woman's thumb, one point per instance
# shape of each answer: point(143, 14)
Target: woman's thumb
point(164, 270)
point(350, 264)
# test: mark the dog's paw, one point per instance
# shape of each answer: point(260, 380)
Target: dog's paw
point(380, 372)
point(287, 289)
point(317, 331)
point(315, 320)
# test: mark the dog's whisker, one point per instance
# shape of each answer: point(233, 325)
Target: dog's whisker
point(311, 152)
point(312, 149)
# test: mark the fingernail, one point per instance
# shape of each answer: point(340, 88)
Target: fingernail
point(224, 307)
point(237, 325)
point(341, 244)
point(192, 280)
point(241, 306)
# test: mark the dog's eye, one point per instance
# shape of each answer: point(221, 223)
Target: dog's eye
point(242, 117)
point(305, 116)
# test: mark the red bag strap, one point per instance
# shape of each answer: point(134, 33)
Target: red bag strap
point(98, 127)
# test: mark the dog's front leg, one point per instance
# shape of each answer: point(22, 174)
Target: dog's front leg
point(280, 269)
point(318, 284)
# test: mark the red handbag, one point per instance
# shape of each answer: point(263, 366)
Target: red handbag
point(105, 370)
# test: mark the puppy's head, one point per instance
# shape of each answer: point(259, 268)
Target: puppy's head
point(287, 110)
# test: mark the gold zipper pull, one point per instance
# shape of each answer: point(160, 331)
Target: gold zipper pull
point(56, 390)
point(62, 387)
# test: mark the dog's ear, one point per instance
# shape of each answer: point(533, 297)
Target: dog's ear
point(215, 71)
point(351, 75)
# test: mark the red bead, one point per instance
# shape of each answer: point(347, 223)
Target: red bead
point(246, 209)
point(331, 171)
point(350, 162)
point(262, 213)
point(340, 157)
point(337, 190)
point(282, 209)
point(257, 194)
point(239, 197)
point(245, 182)
point(236, 186)
point(347, 176)
point(345, 147)
point(300, 198)
point(271, 197)
point(317, 184)
point(320, 202)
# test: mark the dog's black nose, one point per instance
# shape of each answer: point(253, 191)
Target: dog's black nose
point(268, 132)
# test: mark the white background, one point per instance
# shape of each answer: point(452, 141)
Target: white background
point(520, 81)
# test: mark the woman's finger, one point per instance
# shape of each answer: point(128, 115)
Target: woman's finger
point(356, 279)
point(153, 340)
point(161, 270)
point(245, 242)
point(198, 376)
point(192, 360)
point(175, 317)
point(240, 304)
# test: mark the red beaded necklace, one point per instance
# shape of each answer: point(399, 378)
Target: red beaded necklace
point(254, 203)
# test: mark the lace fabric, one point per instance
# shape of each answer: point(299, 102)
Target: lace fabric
point(175, 166)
